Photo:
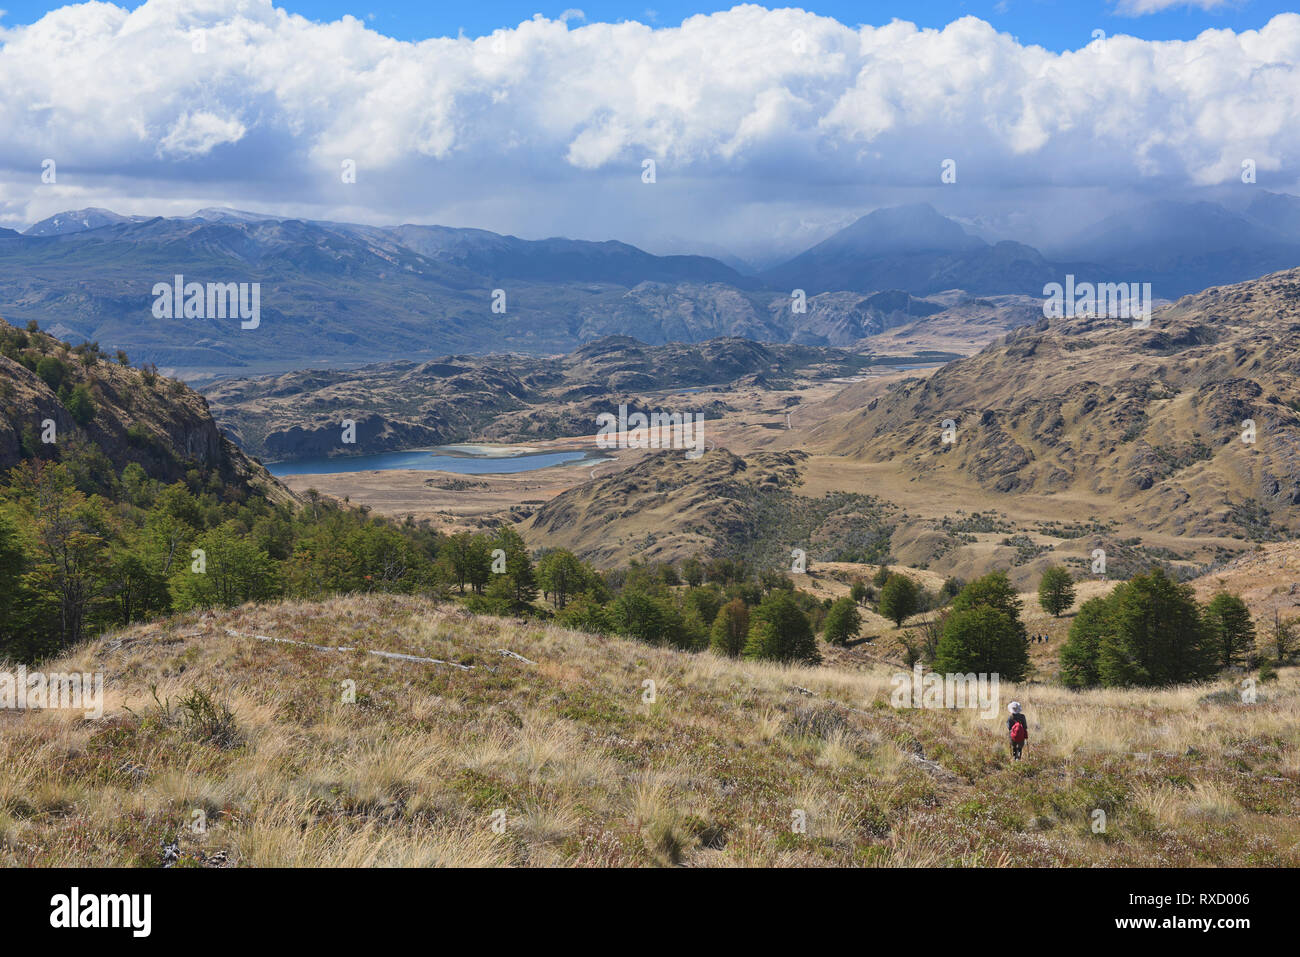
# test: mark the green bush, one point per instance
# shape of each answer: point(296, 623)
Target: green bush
point(1056, 591)
point(899, 599)
point(779, 631)
point(52, 371)
point(842, 621)
point(81, 406)
point(584, 614)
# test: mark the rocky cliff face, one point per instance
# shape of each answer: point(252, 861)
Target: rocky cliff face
point(129, 415)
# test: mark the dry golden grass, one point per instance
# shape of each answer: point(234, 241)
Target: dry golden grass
point(564, 762)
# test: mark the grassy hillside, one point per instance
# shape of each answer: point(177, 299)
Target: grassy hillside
point(588, 773)
point(667, 507)
point(1144, 423)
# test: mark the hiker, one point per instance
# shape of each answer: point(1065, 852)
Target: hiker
point(1017, 728)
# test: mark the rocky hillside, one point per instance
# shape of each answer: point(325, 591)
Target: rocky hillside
point(1148, 423)
point(118, 413)
point(667, 507)
point(494, 398)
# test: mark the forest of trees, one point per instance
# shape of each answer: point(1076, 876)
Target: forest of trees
point(74, 563)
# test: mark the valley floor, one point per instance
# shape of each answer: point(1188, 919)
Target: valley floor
point(525, 744)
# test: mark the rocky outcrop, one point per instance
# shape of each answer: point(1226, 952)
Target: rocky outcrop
point(132, 416)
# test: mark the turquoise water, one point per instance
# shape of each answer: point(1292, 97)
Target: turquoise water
point(443, 459)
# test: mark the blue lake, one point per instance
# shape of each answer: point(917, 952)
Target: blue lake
point(444, 459)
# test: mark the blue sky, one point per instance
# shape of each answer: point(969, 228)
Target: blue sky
point(1055, 24)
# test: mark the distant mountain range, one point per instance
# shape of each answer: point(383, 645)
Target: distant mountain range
point(344, 294)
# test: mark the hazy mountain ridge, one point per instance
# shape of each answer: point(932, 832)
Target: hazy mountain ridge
point(916, 249)
point(495, 397)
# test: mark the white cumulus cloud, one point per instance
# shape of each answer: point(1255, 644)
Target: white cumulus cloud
point(739, 109)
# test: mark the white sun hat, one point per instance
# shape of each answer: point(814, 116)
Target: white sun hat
point(1014, 707)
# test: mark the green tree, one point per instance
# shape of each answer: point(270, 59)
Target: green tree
point(13, 563)
point(229, 571)
point(703, 604)
point(1231, 629)
point(693, 572)
point(779, 631)
point(842, 621)
point(1080, 651)
point(1056, 591)
point(1282, 638)
point(730, 628)
point(985, 643)
point(899, 599)
point(322, 562)
point(72, 535)
point(681, 630)
point(80, 405)
point(386, 559)
point(637, 615)
point(983, 640)
point(1158, 635)
point(560, 575)
point(519, 574)
point(468, 560)
point(136, 583)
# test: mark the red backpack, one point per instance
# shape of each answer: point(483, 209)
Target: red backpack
point(1019, 732)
